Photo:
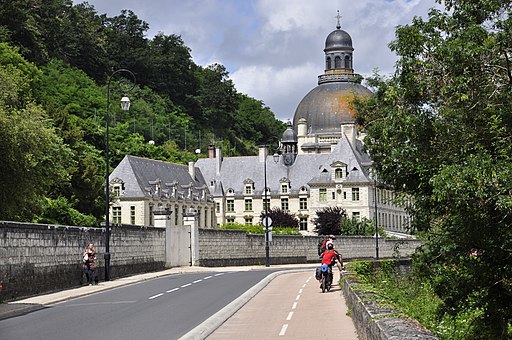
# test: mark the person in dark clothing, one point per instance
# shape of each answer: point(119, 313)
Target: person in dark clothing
point(89, 263)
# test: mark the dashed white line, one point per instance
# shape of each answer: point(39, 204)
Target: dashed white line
point(188, 284)
point(298, 297)
point(283, 330)
point(197, 281)
point(208, 277)
point(294, 305)
point(289, 317)
point(300, 291)
point(172, 290)
point(155, 296)
point(219, 274)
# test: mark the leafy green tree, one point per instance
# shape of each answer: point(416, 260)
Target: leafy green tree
point(441, 131)
point(328, 220)
point(281, 218)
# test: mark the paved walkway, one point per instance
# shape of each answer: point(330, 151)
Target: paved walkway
point(292, 306)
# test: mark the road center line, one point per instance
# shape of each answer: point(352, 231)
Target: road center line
point(172, 290)
point(289, 317)
point(208, 277)
point(197, 281)
point(300, 291)
point(298, 297)
point(283, 330)
point(294, 305)
point(219, 274)
point(188, 284)
point(155, 296)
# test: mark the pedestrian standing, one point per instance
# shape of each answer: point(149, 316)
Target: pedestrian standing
point(89, 262)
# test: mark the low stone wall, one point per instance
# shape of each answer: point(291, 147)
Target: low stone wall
point(374, 322)
point(220, 247)
point(38, 258)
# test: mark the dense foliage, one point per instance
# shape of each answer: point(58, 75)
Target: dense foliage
point(259, 229)
point(440, 131)
point(328, 220)
point(281, 218)
point(56, 60)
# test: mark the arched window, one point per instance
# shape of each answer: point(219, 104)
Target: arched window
point(347, 62)
point(327, 63)
point(337, 62)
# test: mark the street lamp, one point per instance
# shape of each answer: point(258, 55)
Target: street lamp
point(376, 219)
point(125, 106)
point(267, 221)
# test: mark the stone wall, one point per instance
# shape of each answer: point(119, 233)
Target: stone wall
point(37, 258)
point(235, 247)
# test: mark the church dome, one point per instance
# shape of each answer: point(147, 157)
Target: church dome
point(338, 40)
point(328, 106)
point(289, 135)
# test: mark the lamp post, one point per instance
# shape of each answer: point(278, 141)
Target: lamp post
point(376, 220)
point(125, 106)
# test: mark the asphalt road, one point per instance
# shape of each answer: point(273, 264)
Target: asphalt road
point(162, 308)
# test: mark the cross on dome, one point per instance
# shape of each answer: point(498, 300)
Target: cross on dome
point(338, 17)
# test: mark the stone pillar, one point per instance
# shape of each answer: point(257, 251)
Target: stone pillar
point(190, 221)
point(162, 219)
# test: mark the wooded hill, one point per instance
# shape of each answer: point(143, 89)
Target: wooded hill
point(55, 61)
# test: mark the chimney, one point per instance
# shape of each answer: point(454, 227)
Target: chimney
point(349, 130)
point(211, 151)
point(192, 170)
point(262, 155)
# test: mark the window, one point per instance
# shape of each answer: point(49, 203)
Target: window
point(230, 220)
point(248, 205)
point(150, 214)
point(230, 205)
point(217, 207)
point(333, 195)
point(337, 62)
point(132, 214)
point(338, 173)
point(347, 61)
point(303, 203)
point(176, 213)
point(355, 194)
point(284, 188)
point(266, 204)
point(303, 223)
point(344, 195)
point(284, 204)
point(327, 63)
point(323, 195)
point(356, 215)
point(248, 189)
point(116, 214)
point(248, 221)
point(117, 191)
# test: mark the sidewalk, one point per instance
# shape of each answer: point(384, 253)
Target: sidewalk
point(31, 304)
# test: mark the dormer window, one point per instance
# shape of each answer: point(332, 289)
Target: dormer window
point(231, 191)
point(248, 189)
point(284, 188)
point(117, 190)
point(338, 173)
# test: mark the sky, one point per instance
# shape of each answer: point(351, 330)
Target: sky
point(273, 49)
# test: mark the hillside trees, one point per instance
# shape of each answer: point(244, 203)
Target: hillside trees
point(34, 158)
point(441, 130)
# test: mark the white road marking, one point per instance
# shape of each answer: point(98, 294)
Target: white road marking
point(289, 317)
point(300, 291)
point(294, 305)
point(172, 290)
point(298, 297)
point(155, 296)
point(188, 284)
point(283, 330)
point(208, 277)
point(197, 281)
point(219, 274)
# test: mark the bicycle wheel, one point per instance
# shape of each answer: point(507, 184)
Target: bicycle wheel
point(324, 283)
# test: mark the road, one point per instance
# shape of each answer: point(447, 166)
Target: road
point(162, 308)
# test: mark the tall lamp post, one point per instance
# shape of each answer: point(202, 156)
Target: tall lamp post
point(376, 220)
point(267, 221)
point(125, 106)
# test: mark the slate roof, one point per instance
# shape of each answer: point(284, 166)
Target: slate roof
point(307, 168)
point(139, 174)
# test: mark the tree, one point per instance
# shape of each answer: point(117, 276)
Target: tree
point(281, 218)
point(328, 220)
point(440, 130)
